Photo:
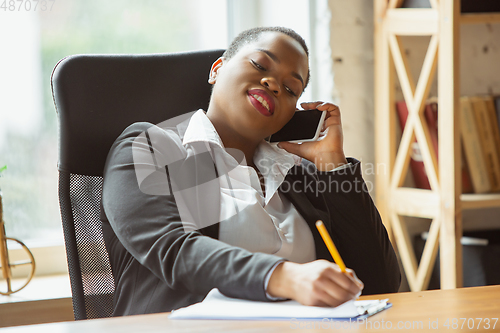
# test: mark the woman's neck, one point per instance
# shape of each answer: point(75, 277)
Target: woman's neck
point(232, 139)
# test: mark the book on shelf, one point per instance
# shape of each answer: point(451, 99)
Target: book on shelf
point(494, 120)
point(497, 107)
point(494, 128)
point(487, 140)
point(416, 163)
point(473, 149)
point(431, 117)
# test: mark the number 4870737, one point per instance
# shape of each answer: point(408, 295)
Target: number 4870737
point(471, 323)
point(27, 5)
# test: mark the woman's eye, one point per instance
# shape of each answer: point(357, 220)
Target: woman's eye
point(290, 91)
point(258, 65)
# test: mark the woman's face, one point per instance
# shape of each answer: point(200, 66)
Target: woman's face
point(256, 91)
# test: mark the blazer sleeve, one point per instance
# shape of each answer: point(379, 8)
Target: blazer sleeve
point(150, 229)
point(358, 231)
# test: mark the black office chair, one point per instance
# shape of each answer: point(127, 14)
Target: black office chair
point(96, 98)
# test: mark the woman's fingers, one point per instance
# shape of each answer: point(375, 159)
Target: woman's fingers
point(355, 278)
point(310, 105)
point(332, 109)
point(345, 281)
point(321, 283)
point(331, 119)
point(333, 112)
point(322, 106)
point(329, 295)
point(335, 294)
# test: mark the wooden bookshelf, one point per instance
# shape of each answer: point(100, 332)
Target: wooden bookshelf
point(474, 18)
point(444, 203)
point(475, 201)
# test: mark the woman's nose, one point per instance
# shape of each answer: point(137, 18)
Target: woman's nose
point(271, 84)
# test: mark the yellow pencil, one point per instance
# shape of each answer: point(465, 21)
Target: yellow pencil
point(329, 244)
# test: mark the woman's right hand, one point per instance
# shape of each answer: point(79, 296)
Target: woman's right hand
point(318, 283)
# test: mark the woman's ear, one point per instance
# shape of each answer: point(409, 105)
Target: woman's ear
point(215, 69)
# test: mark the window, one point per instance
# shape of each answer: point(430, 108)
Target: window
point(33, 41)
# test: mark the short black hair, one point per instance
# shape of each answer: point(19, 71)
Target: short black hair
point(253, 34)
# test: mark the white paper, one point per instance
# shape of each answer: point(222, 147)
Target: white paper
point(217, 306)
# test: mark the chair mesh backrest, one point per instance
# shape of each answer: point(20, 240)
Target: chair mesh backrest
point(96, 98)
point(82, 208)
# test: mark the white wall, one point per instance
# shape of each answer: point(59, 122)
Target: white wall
point(352, 51)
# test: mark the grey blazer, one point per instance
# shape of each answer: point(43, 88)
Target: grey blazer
point(158, 267)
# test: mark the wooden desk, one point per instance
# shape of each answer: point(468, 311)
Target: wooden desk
point(417, 309)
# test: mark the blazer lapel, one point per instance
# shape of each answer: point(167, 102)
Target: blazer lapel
point(299, 188)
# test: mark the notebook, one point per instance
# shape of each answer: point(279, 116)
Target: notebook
point(217, 306)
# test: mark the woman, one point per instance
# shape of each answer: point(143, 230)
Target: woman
point(255, 236)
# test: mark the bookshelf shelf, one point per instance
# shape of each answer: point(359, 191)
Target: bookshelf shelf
point(476, 201)
point(444, 202)
point(475, 18)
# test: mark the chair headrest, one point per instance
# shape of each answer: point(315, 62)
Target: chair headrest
point(98, 96)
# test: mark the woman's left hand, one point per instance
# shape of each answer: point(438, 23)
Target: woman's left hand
point(327, 153)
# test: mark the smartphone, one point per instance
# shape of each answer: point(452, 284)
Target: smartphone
point(305, 125)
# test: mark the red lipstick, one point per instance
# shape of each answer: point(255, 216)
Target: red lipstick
point(262, 101)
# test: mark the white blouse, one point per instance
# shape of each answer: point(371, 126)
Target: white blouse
point(250, 219)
